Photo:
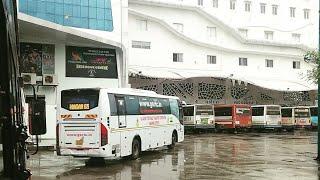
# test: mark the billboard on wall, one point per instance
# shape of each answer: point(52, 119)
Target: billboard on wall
point(91, 62)
point(37, 58)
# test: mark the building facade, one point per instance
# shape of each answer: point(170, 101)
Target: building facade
point(224, 51)
point(71, 44)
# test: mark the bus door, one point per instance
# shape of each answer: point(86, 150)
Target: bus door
point(124, 136)
point(121, 111)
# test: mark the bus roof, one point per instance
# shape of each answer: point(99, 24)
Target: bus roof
point(189, 105)
point(129, 91)
point(269, 105)
point(231, 105)
point(295, 107)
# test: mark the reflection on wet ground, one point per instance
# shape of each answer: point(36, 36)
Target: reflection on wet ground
point(201, 156)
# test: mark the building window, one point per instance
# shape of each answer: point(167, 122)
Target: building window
point(296, 37)
point(268, 35)
point(247, 6)
point(91, 14)
point(200, 2)
point(306, 13)
point(263, 8)
point(211, 32)
point(292, 12)
point(142, 25)
point(269, 63)
point(232, 4)
point(141, 44)
point(243, 61)
point(177, 57)
point(215, 3)
point(211, 59)
point(296, 64)
point(275, 9)
point(178, 27)
point(243, 32)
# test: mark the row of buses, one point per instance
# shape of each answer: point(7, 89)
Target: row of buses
point(242, 116)
point(123, 122)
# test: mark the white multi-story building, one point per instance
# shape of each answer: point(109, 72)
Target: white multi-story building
point(224, 51)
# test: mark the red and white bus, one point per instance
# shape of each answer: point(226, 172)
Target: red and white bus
point(233, 116)
point(116, 122)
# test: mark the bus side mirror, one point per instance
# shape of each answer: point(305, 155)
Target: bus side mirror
point(37, 120)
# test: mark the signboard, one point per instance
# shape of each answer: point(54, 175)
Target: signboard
point(91, 62)
point(79, 106)
point(37, 58)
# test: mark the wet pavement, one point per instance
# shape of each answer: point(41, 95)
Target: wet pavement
point(200, 156)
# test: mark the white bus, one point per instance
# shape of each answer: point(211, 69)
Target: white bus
point(266, 116)
point(198, 116)
point(298, 117)
point(116, 122)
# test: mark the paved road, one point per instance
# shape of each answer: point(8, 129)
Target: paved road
point(204, 156)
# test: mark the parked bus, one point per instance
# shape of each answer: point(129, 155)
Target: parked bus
point(266, 116)
point(116, 122)
point(287, 119)
point(299, 117)
point(198, 116)
point(233, 116)
point(314, 116)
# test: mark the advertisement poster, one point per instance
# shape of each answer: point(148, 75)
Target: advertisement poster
point(91, 62)
point(37, 58)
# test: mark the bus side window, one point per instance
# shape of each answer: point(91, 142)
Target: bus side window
point(121, 106)
point(166, 106)
point(132, 105)
point(113, 105)
point(174, 107)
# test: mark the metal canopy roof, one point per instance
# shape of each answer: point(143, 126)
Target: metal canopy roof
point(291, 83)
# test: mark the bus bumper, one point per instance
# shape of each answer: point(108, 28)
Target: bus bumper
point(198, 126)
point(105, 151)
point(204, 126)
point(266, 126)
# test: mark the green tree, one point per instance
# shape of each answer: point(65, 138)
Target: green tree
point(314, 58)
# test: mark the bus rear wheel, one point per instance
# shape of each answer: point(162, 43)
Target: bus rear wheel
point(174, 139)
point(135, 149)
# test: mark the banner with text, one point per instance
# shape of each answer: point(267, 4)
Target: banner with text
point(91, 62)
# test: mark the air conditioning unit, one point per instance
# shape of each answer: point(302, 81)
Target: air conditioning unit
point(49, 80)
point(29, 78)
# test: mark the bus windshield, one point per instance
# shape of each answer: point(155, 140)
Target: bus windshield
point(301, 112)
point(204, 110)
point(286, 112)
point(79, 99)
point(273, 110)
point(314, 111)
point(223, 111)
point(243, 111)
point(188, 111)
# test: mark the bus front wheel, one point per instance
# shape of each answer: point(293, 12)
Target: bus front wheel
point(174, 139)
point(135, 149)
